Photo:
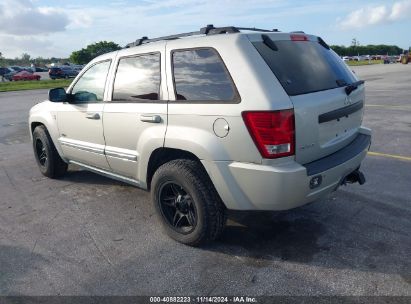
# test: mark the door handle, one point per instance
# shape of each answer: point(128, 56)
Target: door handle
point(151, 118)
point(93, 116)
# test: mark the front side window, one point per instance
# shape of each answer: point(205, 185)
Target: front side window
point(90, 87)
point(200, 75)
point(138, 78)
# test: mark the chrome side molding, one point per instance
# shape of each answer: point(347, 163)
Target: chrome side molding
point(123, 154)
point(85, 146)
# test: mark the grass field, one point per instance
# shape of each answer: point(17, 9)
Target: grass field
point(32, 85)
point(364, 62)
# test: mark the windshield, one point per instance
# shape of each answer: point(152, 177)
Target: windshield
point(305, 66)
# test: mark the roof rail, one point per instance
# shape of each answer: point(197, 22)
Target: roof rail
point(208, 30)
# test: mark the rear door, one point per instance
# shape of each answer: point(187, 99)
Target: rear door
point(135, 117)
point(315, 78)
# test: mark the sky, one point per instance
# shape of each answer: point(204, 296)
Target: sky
point(55, 28)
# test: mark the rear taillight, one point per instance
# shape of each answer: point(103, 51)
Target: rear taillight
point(273, 132)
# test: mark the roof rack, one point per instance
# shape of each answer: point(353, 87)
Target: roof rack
point(208, 30)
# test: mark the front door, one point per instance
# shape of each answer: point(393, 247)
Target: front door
point(80, 121)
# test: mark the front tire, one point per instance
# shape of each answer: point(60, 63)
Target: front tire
point(187, 203)
point(47, 157)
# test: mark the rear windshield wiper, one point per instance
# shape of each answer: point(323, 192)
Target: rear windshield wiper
point(352, 87)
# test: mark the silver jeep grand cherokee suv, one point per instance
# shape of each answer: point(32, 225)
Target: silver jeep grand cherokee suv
point(223, 118)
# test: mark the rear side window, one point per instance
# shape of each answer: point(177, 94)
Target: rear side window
point(138, 78)
point(305, 66)
point(200, 75)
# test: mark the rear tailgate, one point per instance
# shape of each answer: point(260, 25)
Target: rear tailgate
point(327, 118)
point(326, 122)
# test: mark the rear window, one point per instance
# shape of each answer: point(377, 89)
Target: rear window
point(305, 66)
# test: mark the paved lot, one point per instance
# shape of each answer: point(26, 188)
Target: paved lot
point(88, 235)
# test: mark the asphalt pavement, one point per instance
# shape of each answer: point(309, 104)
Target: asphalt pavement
point(89, 235)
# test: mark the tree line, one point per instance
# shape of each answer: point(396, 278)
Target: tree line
point(88, 53)
point(85, 55)
point(354, 50)
point(26, 60)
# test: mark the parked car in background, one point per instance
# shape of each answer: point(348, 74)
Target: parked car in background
point(4, 71)
point(16, 68)
point(24, 75)
point(389, 59)
point(78, 68)
point(29, 69)
point(62, 72)
point(376, 57)
point(10, 74)
point(39, 69)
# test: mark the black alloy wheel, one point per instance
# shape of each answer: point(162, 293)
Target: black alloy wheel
point(189, 208)
point(46, 155)
point(41, 153)
point(177, 207)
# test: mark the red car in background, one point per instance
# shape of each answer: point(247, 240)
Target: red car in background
point(24, 75)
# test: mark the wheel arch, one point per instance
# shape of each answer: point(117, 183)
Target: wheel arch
point(35, 124)
point(47, 122)
point(164, 155)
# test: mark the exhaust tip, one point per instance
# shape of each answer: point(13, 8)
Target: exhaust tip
point(355, 177)
point(361, 178)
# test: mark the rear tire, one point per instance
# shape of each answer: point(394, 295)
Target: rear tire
point(47, 157)
point(187, 203)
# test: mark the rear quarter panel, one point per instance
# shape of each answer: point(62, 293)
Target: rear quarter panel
point(190, 125)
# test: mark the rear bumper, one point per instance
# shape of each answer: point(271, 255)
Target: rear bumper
point(245, 186)
point(359, 144)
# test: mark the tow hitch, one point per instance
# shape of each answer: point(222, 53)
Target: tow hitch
point(354, 177)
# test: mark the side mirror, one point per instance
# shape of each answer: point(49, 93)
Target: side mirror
point(58, 95)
